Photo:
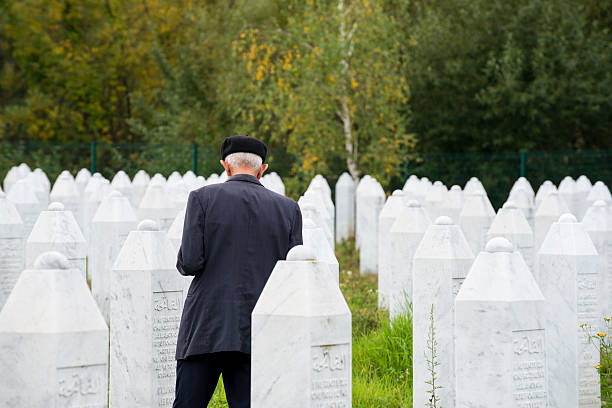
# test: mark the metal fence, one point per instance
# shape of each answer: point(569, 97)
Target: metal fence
point(497, 171)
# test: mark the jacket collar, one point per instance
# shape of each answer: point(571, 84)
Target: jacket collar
point(245, 177)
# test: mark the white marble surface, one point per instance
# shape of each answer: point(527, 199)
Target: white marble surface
point(53, 339)
point(411, 185)
point(319, 184)
point(110, 225)
point(66, 192)
point(12, 247)
point(391, 210)
point(345, 207)
point(475, 219)
point(523, 200)
point(599, 192)
point(147, 296)
point(370, 200)
point(157, 206)
point(500, 336)
point(301, 341)
point(23, 195)
point(523, 183)
point(81, 180)
point(546, 188)
point(139, 185)
point(395, 289)
point(568, 273)
point(37, 185)
point(568, 193)
point(473, 185)
point(314, 238)
point(549, 211)
point(316, 198)
point(175, 232)
point(441, 263)
point(510, 223)
point(122, 183)
point(583, 188)
point(453, 205)
point(598, 224)
point(56, 229)
point(317, 215)
point(435, 200)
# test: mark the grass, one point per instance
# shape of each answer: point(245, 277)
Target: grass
point(382, 352)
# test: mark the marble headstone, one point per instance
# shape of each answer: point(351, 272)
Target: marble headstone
point(175, 232)
point(500, 336)
point(510, 223)
point(139, 185)
point(370, 201)
point(583, 188)
point(395, 290)
point(568, 273)
point(598, 224)
point(315, 214)
point(549, 211)
point(36, 185)
point(66, 192)
point(472, 186)
point(411, 185)
point(441, 263)
point(316, 198)
point(53, 340)
point(56, 229)
point(391, 210)
point(147, 295)
point(599, 192)
point(523, 183)
point(453, 205)
point(345, 207)
point(435, 200)
point(23, 196)
point(314, 238)
point(11, 178)
point(81, 180)
point(475, 219)
point(43, 179)
point(568, 193)
point(110, 226)
point(121, 182)
point(546, 188)
point(523, 201)
point(301, 337)
point(12, 243)
point(157, 206)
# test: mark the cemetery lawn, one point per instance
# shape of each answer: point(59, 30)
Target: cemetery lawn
point(382, 355)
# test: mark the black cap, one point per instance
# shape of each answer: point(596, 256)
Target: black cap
point(243, 144)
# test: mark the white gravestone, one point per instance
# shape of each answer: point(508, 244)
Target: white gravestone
point(523, 183)
point(319, 184)
point(157, 179)
point(598, 224)
point(301, 337)
point(567, 191)
point(175, 232)
point(393, 207)
point(510, 223)
point(545, 189)
point(56, 229)
point(81, 180)
point(473, 185)
point(406, 235)
point(475, 219)
point(411, 185)
point(421, 190)
point(43, 179)
point(315, 197)
point(441, 263)
point(314, 213)
point(345, 207)
point(97, 189)
point(65, 191)
point(139, 184)
point(157, 206)
point(314, 238)
point(583, 188)
point(599, 192)
point(53, 339)
point(453, 205)
point(121, 182)
point(549, 211)
point(147, 295)
point(435, 200)
point(568, 272)
point(500, 336)
point(358, 210)
point(12, 243)
point(26, 202)
point(189, 178)
point(11, 178)
point(370, 201)
point(523, 201)
point(110, 227)
point(36, 185)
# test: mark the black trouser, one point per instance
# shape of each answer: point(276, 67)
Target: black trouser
point(197, 377)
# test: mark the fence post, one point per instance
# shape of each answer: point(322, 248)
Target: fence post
point(93, 156)
point(195, 158)
point(523, 163)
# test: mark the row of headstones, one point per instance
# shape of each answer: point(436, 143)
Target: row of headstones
point(66, 360)
point(503, 311)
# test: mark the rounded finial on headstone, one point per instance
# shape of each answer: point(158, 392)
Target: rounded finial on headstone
point(598, 203)
point(443, 220)
point(51, 260)
point(499, 244)
point(56, 206)
point(308, 223)
point(398, 193)
point(437, 183)
point(568, 219)
point(510, 205)
point(115, 194)
point(148, 225)
point(455, 188)
point(413, 204)
point(301, 253)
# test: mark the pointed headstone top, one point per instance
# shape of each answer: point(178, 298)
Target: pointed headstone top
point(567, 219)
point(56, 206)
point(510, 205)
point(455, 188)
point(51, 260)
point(22, 193)
point(599, 192)
point(301, 253)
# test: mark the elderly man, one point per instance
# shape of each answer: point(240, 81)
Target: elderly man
point(234, 233)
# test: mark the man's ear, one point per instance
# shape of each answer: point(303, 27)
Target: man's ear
point(262, 170)
point(226, 167)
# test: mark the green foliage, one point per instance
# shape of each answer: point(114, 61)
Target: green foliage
point(602, 342)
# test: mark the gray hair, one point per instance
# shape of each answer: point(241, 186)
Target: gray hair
point(243, 159)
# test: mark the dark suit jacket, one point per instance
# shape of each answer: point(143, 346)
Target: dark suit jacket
point(234, 233)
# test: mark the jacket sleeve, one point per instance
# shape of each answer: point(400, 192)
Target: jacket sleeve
point(190, 259)
point(295, 237)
